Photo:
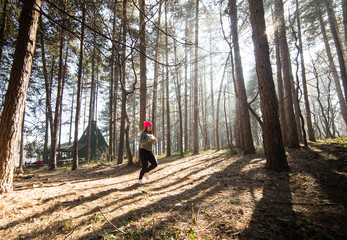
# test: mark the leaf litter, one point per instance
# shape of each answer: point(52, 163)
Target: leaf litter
point(213, 195)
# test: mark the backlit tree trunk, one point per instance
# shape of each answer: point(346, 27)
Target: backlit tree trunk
point(273, 145)
point(332, 66)
point(280, 91)
point(247, 140)
point(179, 102)
point(143, 79)
point(79, 94)
point(156, 70)
point(212, 98)
point(123, 83)
point(168, 125)
point(303, 75)
point(344, 9)
point(13, 111)
point(91, 116)
point(58, 106)
point(293, 139)
point(196, 77)
point(333, 28)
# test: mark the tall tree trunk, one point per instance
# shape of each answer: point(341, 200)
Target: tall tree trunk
point(48, 84)
point(196, 77)
point(333, 28)
point(143, 78)
point(311, 136)
point(91, 115)
point(332, 66)
point(280, 88)
point(130, 155)
point(123, 83)
point(296, 109)
point(60, 122)
point(186, 139)
point(205, 101)
point(163, 112)
point(273, 145)
point(229, 135)
point(71, 114)
point(3, 27)
point(79, 93)
point(168, 125)
point(293, 139)
point(156, 70)
point(179, 102)
point(218, 104)
point(13, 111)
point(111, 124)
point(241, 90)
point(328, 133)
point(344, 9)
point(58, 105)
point(212, 98)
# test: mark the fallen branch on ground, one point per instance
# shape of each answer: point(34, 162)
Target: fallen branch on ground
point(118, 229)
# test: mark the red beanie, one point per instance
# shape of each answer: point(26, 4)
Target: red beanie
point(146, 124)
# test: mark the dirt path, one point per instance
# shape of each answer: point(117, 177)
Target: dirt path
point(209, 196)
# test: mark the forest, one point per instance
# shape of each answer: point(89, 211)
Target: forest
point(247, 103)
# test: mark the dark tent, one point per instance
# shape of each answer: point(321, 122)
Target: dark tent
point(96, 139)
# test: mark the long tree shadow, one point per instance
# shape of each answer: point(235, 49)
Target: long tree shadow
point(98, 172)
point(212, 185)
point(326, 164)
point(274, 207)
point(74, 203)
point(272, 218)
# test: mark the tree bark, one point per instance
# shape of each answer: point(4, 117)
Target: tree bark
point(13, 111)
point(196, 77)
point(143, 79)
point(179, 103)
point(186, 139)
point(212, 98)
point(273, 145)
point(124, 94)
point(344, 9)
point(326, 121)
point(58, 105)
point(241, 91)
point(79, 93)
point(168, 125)
point(303, 75)
point(333, 28)
point(280, 88)
point(218, 105)
point(21, 150)
point(91, 116)
point(71, 114)
point(332, 66)
point(130, 155)
point(3, 27)
point(293, 139)
point(48, 84)
point(156, 66)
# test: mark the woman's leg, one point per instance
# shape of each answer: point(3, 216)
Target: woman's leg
point(153, 161)
point(144, 161)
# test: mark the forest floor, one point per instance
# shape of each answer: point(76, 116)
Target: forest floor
point(213, 195)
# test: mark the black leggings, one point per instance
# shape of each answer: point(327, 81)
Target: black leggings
point(145, 157)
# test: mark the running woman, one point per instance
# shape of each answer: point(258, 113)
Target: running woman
point(146, 151)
